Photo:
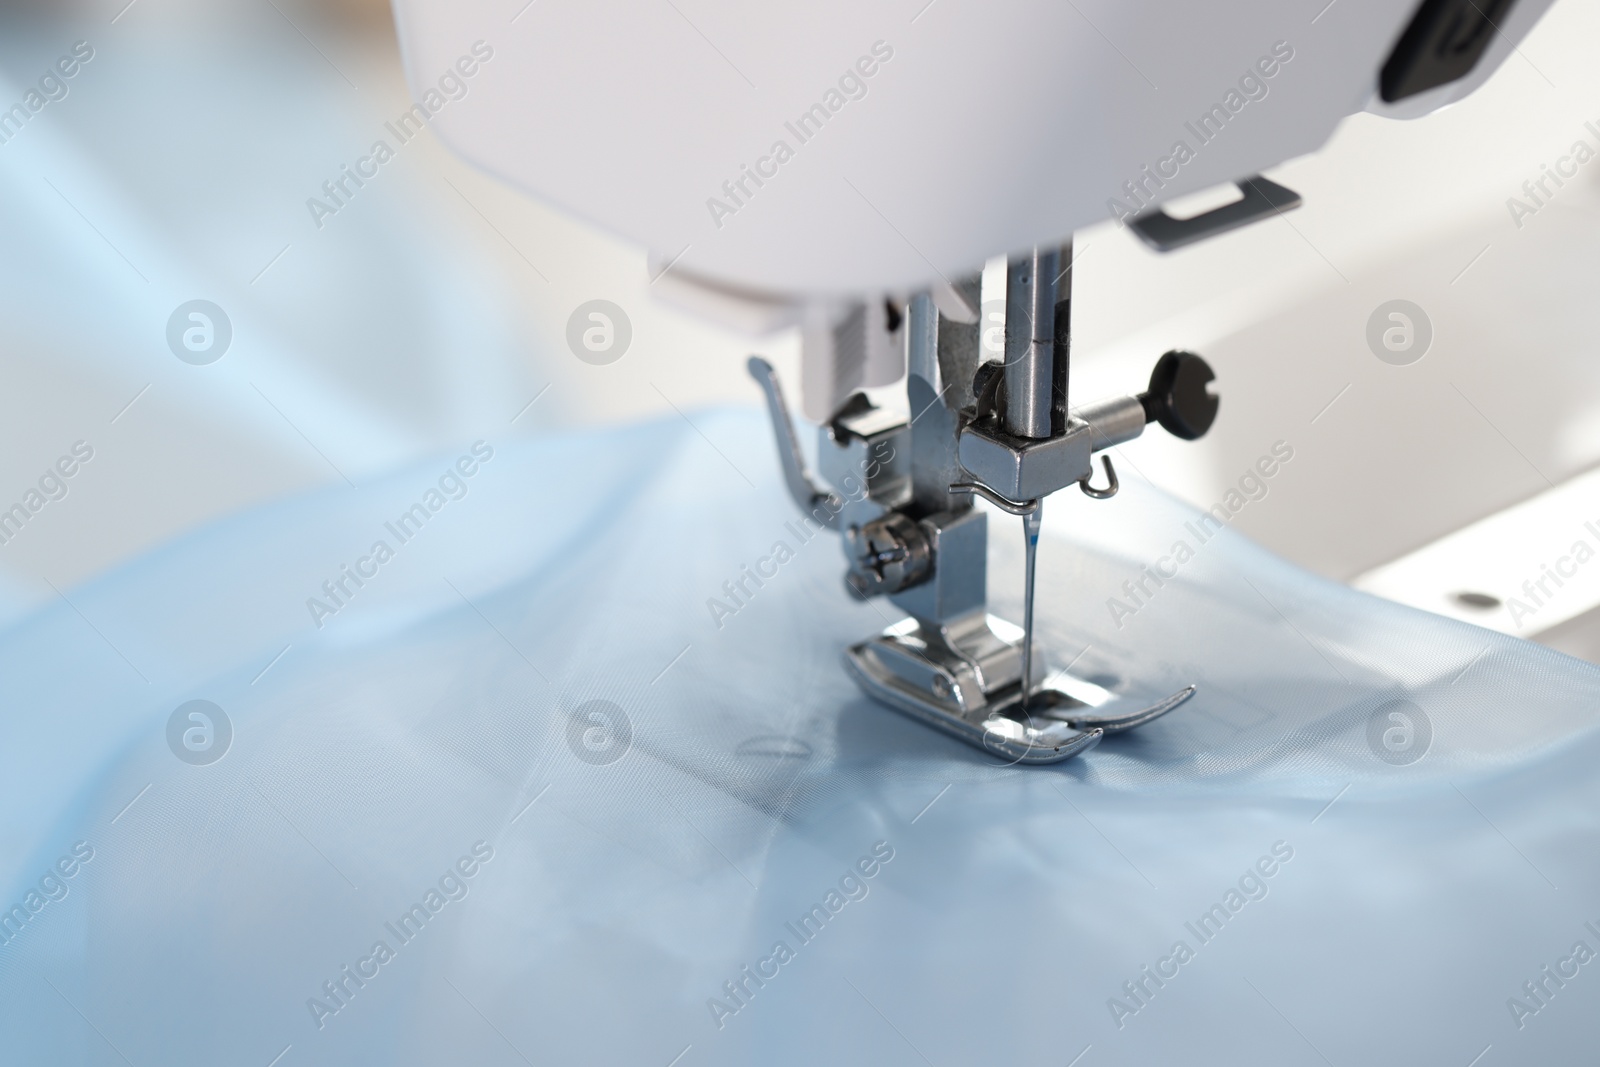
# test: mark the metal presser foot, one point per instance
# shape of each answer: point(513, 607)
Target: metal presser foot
point(937, 679)
point(1001, 431)
point(966, 678)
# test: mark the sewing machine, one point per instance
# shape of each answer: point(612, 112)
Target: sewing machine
point(846, 170)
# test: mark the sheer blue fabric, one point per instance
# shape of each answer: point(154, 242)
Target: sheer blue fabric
point(591, 817)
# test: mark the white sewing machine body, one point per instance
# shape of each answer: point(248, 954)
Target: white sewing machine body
point(834, 148)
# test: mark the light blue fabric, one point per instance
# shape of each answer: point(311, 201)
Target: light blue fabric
point(431, 716)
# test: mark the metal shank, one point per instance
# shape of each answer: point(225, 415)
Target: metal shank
point(1030, 343)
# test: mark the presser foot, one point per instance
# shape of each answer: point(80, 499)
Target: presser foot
point(965, 679)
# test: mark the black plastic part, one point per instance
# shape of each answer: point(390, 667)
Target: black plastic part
point(1260, 198)
point(1444, 42)
point(857, 404)
point(892, 316)
point(1061, 358)
point(988, 390)
point(1178, 398)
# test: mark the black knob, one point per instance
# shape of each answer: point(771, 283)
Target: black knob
point(1178, 398)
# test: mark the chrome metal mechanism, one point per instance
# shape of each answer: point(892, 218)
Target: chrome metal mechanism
point(1003, 432)
point(888, 555)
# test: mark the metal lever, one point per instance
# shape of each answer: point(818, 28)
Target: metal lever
point(818, 503)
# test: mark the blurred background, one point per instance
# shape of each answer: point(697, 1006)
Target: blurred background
point(432, 308)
